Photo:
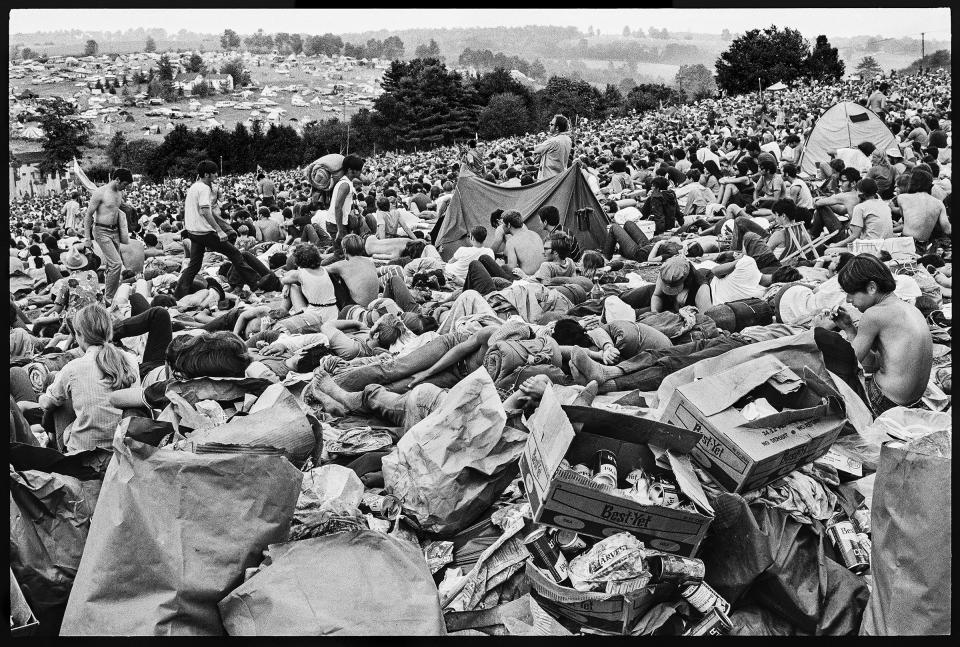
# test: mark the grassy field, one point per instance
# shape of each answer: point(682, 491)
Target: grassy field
point(262, 76)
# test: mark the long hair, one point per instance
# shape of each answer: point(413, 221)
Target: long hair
point(94, 325)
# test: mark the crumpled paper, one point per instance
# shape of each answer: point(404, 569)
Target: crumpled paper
point(803, 493)
point(449, 467)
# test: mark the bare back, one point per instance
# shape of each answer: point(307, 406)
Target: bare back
point(360, 277)
point(528, 247)
point(905, 349)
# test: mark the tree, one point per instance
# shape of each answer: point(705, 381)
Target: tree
point(195, 64)
point(392, 48)
point(230, 39)
point(726, 35)
point(499, 81)
point(296, 44)
point(234, 68)
point(823, 63)
point(626, 85)
point(696, 81)
point(938, 59)
point(648, 96)
point(868, 67)
point(202, 90)
point(762, 57)
point(573, 98)
point(612, 99)
point(27, 54)
point(150, 45)
point(537, 70)
point(91, 48)
point(260, 42)
point(430, 50)
point(99, 85)
point(164, 69)
point(626, 31)
point(281, 41)
point(137, 154)
point(64, 135)
point(116, 147)
point(329, 44)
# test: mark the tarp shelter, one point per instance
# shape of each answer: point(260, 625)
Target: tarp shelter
point(474, 199)
point(777, 87)
point(843, 126)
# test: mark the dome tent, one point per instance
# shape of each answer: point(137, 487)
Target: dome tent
point(844, 125)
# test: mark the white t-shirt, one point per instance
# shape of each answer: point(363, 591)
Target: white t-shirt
point(347, 203)
point(198, 195)
point(742, 283)
point(627, 214)
point(458, 265)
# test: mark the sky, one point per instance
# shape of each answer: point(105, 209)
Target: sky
point(810, 22)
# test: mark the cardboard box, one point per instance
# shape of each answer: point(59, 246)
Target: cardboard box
point(24, 621)
point(564, 499)
point(741, 454)
point(601, 611)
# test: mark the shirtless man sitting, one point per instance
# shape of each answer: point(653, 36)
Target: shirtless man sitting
point(524, 247)
point(892, 339)
point(357, 271)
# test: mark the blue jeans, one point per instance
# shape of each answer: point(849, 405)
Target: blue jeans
point(395, 374)
point(109, 241)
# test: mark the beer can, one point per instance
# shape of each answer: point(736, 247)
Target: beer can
point(861, 520)
point(703, 598)
point(864, 540)
point(844, 538)
point(664, 494)
point(545, 551)
point(675, 569)
point(564, 464)
point(605, 462)
point(569, 542)
point(638, 479)
point(715, 623)
point(606, 481)
point(583, 470)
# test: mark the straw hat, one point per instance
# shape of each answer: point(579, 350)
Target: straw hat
point(74, 260)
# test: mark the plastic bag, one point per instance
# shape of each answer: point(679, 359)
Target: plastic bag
point(911, 542)
point(898, 423)
point(449, 467)
point(175, 532)
point(349, 583)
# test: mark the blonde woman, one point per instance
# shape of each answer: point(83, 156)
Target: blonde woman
point(87, 382)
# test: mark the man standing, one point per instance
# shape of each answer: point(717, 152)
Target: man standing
point(554, 152)
point(341, 202)
point(265, 185)
point(203, 232)
point(71, 212)
point(107, 224)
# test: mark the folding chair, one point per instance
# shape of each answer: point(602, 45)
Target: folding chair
point(799, 239)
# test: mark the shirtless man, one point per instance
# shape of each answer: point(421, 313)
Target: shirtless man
point(105, 223)
point(827, 209)
point(892, 339)
point(524, 247)
point(357, 271)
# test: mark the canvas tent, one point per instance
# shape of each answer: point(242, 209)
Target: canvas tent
point(777, 87)
point(843, 126)
point(475, 199)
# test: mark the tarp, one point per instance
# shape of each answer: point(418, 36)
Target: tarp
point(475, 199)
point(776, 87)
point(843, 126)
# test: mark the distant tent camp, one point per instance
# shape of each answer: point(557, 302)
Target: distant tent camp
point(843, 126)
point(475, 199)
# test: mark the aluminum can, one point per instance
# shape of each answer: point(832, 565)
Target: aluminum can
point(675, 569)
point(583, 470)
point(569, 542)
point(703, 598)
point(664, 494)
point(605, 462)
point(545, 551)
point(844, 538)
point(715, 623)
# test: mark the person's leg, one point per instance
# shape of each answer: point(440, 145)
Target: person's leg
point(198, 247)
point(479, 279)
point(110, 248)
point(633, 230)
point(397, 290)
point(638, 297)
point(495, 269)
point(628, 246)
point(225, 321)
point(20, 386)
point(138, 304)
point(343, 345)
point(401, 367)
point(245, 274)
point(255, 264)
point(155, 323)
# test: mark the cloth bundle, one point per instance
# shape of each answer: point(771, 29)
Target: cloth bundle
point(505, 357)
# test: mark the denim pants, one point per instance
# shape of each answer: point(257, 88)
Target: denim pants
point(403, 409)
point(395, 374)
point(109, 241)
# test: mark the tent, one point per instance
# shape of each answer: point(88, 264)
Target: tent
point(776, 87)
point(475, 199)
point(32, 132)
point(844, 125)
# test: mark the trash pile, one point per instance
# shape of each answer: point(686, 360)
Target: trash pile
point(748, 496)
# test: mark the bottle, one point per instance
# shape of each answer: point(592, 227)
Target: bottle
point(596, 292)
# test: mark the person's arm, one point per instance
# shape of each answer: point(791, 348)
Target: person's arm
point(702, 298)
point(656, 303)
point(512, 261)
point(56, 394)
point(95, 201)
point(723, 269)
point(944, 220)
point(406, 228)
point(293, 276)
point(338, 202)
point(861, 337)
point(854, 235)
point(246, 316)
point(129, 398)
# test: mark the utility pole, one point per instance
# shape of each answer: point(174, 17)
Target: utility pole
point(922, 50)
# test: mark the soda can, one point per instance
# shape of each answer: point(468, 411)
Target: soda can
point(583, 470)
point(844, 538)
point(703, 598)
point(675, 569)
point(664, 494)
point(606, 463)
point(569, 542)
point(545, 551)
point(607, 482)
point(715, 623)
point(638, 479)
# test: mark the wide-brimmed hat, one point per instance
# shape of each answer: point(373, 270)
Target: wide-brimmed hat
point(74, 260)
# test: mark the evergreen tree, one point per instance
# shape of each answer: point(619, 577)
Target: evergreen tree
point(823, 63)
point(762, 57)
point(63, 137)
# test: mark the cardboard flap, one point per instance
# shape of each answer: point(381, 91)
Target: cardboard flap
point(718, 392)
point(550, 436)
point(633, 429)
point(688, 481)
point(788, 415)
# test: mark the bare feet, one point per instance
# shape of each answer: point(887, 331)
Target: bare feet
point(322, 381)
point(329, 405)
point(585, 370)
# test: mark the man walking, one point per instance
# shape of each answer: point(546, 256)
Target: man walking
point(107, 224)
point(204, 233)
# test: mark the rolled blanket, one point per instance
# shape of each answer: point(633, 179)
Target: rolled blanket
point(573, 292)
point(505, 357)
point(320, 172)
point(734, 316)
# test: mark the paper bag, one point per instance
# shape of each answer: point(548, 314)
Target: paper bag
point(450, 466)
point(174, 533)
point(347, 583)
point(911, 554)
